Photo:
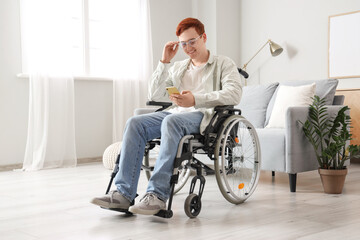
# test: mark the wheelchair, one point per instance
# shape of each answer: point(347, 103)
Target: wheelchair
point(230, 141)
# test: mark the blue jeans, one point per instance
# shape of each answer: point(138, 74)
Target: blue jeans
point(143, 128)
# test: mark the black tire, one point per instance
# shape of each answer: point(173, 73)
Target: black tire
point(192, 205)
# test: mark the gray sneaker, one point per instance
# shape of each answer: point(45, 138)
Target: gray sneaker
point(150, 204)
point(112, 200)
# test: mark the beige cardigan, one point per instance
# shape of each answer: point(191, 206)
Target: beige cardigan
point(222, 83)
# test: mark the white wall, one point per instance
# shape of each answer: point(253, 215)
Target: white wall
point(301, 27)
point(228, 25)
point(93, 117)
point(13, 91)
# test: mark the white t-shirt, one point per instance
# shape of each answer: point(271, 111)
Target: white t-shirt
point(192, 81)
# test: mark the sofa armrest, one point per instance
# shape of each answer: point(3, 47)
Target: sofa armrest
point(299, 153)
point(140, 111)
point(163, 106)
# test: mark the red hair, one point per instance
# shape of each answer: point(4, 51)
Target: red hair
point(189, 23)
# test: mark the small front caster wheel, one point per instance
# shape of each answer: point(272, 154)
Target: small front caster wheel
point(192, 205)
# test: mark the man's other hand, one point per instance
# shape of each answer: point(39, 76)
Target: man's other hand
point(169, 51)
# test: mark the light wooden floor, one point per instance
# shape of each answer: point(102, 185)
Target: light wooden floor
point(54, 204)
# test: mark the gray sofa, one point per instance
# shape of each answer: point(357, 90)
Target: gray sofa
point(285, 149)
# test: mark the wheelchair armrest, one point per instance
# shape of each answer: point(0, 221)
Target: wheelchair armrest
point(223, 108)
point(227, 108)
point(163, 105)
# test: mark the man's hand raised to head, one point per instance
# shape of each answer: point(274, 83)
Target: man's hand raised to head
point(184, 99)
point(169, 51)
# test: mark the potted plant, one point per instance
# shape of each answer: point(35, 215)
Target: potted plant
point(330, 138)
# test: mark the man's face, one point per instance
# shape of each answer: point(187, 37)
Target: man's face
point(192, 42)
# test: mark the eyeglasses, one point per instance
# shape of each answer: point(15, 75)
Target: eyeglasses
point(189, 43)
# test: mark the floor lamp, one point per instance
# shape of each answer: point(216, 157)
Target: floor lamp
point(275, 50)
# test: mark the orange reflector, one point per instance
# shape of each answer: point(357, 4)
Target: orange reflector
point(236, 140)
point(241, 185)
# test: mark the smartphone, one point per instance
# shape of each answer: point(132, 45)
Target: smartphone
point(172, 90)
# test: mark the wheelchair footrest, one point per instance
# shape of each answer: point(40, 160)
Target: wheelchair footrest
point(126, 211)
point(165, 213)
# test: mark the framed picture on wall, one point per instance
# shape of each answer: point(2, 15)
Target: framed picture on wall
point(344, 45)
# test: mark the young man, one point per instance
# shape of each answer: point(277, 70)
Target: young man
point(205, 81)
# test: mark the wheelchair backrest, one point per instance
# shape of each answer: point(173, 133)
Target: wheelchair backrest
point(215, 125)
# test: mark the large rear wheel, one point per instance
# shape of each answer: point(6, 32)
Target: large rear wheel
point(237, 159)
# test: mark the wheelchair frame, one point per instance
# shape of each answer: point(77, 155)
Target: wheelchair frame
point(210, 144)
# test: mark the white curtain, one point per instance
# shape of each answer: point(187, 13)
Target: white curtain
point(130, 84)
point(47, 57)
point(51, 129)
point(119, 47)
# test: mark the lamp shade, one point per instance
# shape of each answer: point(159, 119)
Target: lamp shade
point(275, 49)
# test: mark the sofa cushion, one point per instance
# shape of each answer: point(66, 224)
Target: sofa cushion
point(324, 89)
point(289, 96)
point(254, 102)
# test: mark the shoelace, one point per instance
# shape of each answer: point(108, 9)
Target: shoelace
point(147, 198)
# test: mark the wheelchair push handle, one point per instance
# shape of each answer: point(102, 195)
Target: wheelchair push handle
point(243, 73)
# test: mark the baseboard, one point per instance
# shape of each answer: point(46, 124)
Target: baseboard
point(10, 167)
point(89, 160)
point(80, 161)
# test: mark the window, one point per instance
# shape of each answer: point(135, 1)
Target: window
point(84, 37)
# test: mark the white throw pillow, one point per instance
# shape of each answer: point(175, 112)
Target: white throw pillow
point(289, 96)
